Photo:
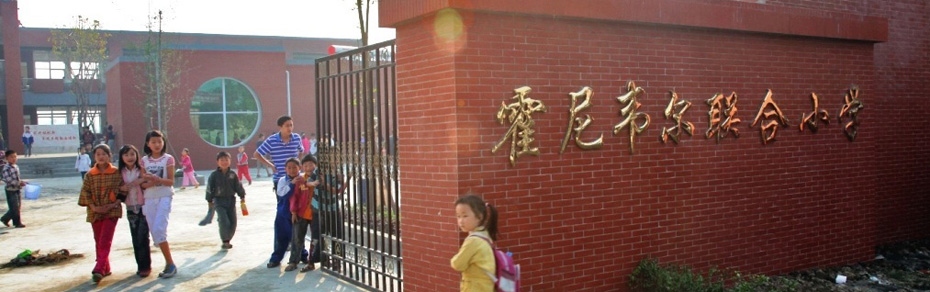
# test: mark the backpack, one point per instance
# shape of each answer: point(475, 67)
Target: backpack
point(507, 276)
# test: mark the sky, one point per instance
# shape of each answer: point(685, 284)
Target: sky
point(296, 18)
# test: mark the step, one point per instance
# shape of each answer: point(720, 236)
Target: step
point(47, 166)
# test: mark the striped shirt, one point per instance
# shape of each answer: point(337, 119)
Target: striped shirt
point(280, 152)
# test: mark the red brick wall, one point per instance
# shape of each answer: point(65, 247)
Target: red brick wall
point(580, 221)
point(428, 129)
point(263, 72)
point(13, 120)
point(902, 69)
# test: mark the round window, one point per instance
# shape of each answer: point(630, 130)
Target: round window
point(225, 112)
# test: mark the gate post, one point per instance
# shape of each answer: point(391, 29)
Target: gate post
point(427, 135)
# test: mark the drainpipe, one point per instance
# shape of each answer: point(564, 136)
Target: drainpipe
point(288, 73)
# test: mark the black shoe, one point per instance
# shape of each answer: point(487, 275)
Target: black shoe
point(6, 223)
point(19, 226)
point(273, 265)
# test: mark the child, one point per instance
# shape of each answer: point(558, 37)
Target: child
point(302, 188)
point(13, 187)
point(242, 165)
point(82, 163)
point(261, 166)
point(282, 222)
point(131, 173)
point(99, 195)
point(476, 258)
point(159, 178)
point(222, 188)
point(189, 176)
point(28, 139)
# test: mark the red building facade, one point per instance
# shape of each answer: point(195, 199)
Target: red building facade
point(272, 76)
point(581, 220)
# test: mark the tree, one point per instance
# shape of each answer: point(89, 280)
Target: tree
point(363, 21)
point(83, 49)
point(159, 78)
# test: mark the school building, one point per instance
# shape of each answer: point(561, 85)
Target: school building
point(232, 87)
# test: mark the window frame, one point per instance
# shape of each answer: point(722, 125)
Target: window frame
point(225, 113)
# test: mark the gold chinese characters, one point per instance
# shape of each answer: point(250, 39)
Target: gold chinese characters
point(722, 116)
point(764, 114)
point(577, 124)
point(675, 109)
point(520, 116)
point(810, 120)
point(629, 114)
point(851, 109)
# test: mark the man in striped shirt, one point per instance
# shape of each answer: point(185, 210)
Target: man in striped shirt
point(281, 146)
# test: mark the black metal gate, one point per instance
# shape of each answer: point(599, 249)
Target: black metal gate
point(359, 212)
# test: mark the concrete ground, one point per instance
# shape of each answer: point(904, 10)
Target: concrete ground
point(55, 221)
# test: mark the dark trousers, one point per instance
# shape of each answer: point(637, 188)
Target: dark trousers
point(297, 241)
point(13, 201)
point(28, 150)
point(334, 227)
point(362, 192)
point(82, 174)
point(226, 216)
point(283, 229)
point(139, 229)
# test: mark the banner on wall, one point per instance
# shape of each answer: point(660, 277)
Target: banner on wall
point(54, 138)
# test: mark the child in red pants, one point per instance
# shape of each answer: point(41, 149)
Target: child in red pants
point(242, 165)
point(99, 194)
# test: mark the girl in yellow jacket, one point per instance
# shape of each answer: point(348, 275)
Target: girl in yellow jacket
point(99, 194)
point(476, 258)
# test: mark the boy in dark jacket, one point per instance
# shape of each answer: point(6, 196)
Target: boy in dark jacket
point(222, 187)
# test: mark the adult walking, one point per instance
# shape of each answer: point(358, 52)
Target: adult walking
point(280, 146)
point(110, 139)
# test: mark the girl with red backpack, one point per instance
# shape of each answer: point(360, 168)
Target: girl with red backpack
point(475, 259)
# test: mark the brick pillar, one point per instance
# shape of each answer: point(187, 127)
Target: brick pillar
point(14, 91)
point(426, 105)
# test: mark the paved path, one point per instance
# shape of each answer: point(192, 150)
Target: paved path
point(55, 221)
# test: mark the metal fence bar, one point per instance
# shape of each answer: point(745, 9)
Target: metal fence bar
point(357, 121)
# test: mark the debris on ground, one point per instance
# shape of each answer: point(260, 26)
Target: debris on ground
point(898, 267)
point(35, 258)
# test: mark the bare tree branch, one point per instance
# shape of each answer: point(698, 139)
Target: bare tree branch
point(83, 49)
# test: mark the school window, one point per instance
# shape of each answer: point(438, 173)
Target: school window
point(47, 66)
point(84, 70)
point(225, 112)
point(52, 117)
point(68, 116)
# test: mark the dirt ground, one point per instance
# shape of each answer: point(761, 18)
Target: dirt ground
point(55, 222)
